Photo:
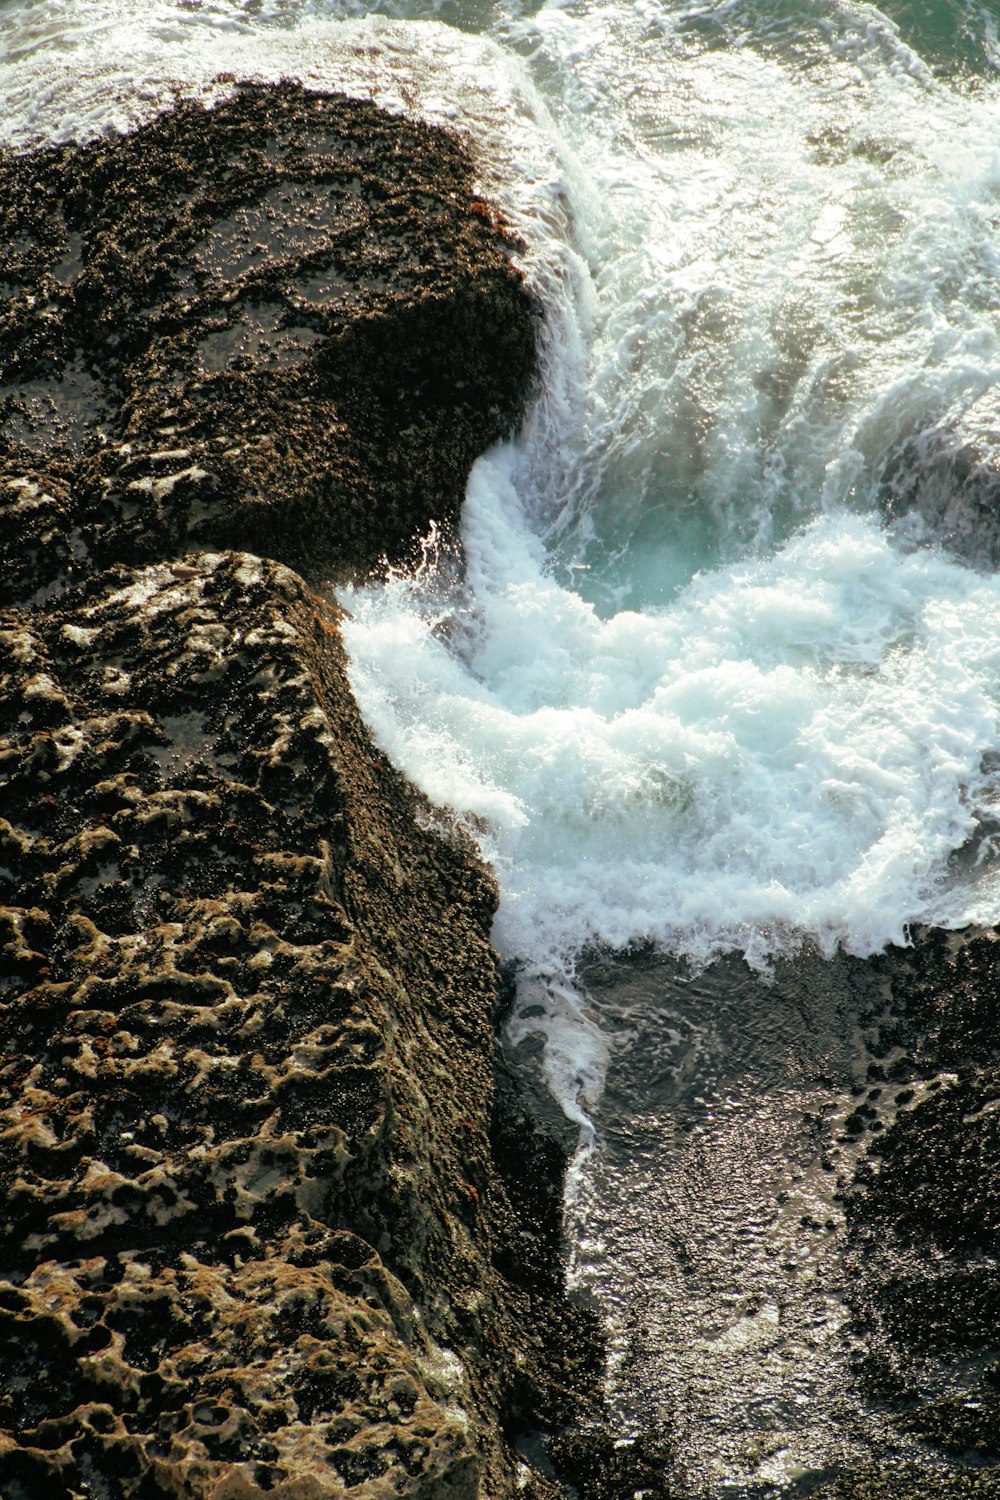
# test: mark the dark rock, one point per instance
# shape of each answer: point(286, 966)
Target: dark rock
point(947, 476)
point(265, 1226)
point(924, 1208)
point(603, 1468)
point(909, 1482)
point(870, 1089)
point(286, 325)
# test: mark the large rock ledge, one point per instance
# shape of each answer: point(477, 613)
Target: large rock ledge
point(268, 1225)
point(286, 325)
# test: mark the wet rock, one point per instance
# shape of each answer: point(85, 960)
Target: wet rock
point(251, 1213)
point(924, 1207)
point(287, 324)
point(601, 1467)
point(797, 1204)
point(267, 1225)
point(209, 1054)
point(943, 484)
point(909, 1482)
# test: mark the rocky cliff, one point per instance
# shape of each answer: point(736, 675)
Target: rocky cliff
point(274, 1220)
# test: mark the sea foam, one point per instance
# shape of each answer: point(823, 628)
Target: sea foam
point(689, 691)
point(693, 693)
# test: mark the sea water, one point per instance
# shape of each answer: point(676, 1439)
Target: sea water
point(689, 692)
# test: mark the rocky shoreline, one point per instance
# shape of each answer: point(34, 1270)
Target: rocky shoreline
point(278, 1216)
point(276, 1219)
point(797, 1199)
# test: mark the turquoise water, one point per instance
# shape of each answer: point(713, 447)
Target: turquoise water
point(695, 692)
point(690, 691)
point(700, 695)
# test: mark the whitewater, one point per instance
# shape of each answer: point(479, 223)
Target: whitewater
point(695, 692)
point(688, 689)
point(678, 677)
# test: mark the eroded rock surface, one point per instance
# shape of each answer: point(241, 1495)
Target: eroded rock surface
point(944, 483)
point(267, 1226)
point(287, 324)
point(924, 1208)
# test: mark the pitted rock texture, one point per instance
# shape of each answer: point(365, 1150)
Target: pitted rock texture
point(286, 324)
point(274, 1218)
point(252, 1229)
point(923, 1209)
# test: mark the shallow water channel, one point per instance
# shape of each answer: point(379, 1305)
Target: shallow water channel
point(707, 1221)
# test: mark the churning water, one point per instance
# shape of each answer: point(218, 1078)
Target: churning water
point(689, 691)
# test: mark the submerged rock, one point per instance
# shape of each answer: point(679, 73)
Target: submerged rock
point(267, 1225)
point(943, 483)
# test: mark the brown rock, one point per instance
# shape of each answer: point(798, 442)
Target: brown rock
point(285, 324)
point(266, 1228)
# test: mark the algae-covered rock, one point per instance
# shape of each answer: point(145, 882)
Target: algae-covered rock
point(286, 324)
point(267, 1227)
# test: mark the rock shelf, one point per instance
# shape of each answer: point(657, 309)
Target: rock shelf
point(275, 1220)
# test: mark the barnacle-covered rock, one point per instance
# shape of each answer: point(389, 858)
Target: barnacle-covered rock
point(286, 324)
point(274, 1221)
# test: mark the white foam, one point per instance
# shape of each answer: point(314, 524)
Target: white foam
point(790, 749)
point(691, 691)
point(792, 267)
